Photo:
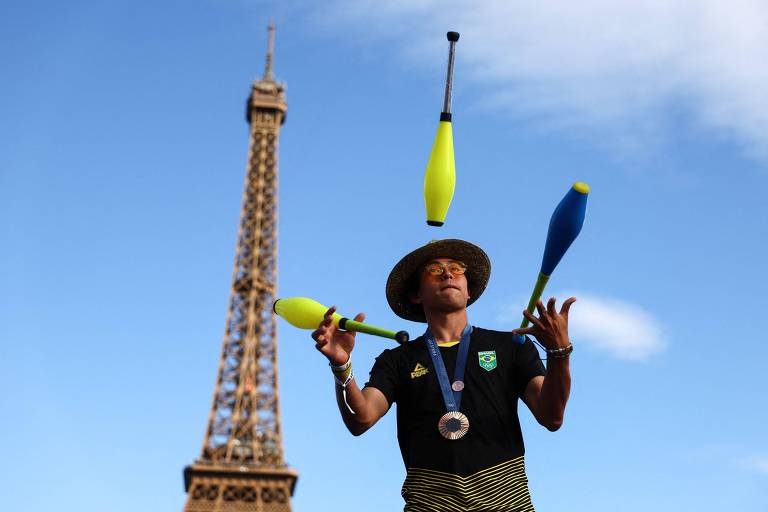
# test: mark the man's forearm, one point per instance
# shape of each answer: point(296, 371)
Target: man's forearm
point(353, 408)
point(554, 392)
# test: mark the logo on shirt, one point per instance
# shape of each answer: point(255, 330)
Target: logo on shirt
point(419, 371)
point(487, 360)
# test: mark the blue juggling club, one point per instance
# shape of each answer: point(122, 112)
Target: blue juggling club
point(564, 227)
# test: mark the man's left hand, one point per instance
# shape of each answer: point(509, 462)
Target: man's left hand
point(551, 327)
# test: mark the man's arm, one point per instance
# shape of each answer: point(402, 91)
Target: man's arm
point(360, 409)
point(547, 396)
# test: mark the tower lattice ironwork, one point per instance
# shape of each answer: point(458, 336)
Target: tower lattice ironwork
point(241, 467)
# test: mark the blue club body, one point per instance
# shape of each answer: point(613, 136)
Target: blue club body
point(564, 227)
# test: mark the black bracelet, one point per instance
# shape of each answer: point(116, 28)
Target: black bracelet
point(560, 353)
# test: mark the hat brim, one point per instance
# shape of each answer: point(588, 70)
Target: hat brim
point(398, 283)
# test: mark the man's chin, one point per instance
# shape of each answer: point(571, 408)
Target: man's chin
point(450, 306)
point(450, 291)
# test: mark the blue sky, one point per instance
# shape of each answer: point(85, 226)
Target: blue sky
point(124, 147)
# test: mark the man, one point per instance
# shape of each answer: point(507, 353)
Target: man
point(456, 387)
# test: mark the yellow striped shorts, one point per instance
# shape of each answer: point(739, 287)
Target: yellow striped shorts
point(500, 488)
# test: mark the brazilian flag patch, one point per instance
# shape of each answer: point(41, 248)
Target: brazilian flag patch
point(487, 360)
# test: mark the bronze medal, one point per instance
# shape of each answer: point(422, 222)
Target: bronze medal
point(453, 425)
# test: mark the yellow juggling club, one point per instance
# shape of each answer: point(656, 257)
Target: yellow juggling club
point(440, 176)
point(306, 313)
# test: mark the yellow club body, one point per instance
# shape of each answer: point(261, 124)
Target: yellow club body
point(440, 177)
point(302, 312)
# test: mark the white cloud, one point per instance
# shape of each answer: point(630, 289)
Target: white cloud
point(623, 330)
point(613, 66)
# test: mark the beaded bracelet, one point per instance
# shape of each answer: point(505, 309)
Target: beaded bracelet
point(560, 353)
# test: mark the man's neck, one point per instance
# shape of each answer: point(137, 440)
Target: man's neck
point(447, 327)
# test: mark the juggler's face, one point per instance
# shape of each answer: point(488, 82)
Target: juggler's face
point(445, 293)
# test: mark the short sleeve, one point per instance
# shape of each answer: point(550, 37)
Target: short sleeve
point(527, 365)
point(384, 376)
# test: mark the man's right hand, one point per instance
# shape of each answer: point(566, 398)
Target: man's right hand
point(332, 342)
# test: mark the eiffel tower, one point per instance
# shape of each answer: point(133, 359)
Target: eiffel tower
point(241, 467)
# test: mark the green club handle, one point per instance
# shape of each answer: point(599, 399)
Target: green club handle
point(541, 283)
point(351, 325)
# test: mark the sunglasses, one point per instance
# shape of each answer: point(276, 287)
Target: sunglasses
point(435, 268)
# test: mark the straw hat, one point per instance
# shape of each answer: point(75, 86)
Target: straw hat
point(401, 279)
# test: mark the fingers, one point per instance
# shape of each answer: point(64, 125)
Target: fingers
point(535, 321)
point(567, 306)
point(359, 317)
point(528, 330)
point(551, 306)
point(320, 335)
point(550, 326)
point(543, 315)
point(328, 316)
point(322, 329)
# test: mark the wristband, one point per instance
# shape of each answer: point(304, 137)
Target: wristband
point(341, 368)
point(342, 373)
point(344, 383)
point(560, 353)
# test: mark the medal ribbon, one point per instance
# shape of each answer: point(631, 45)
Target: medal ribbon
point(451, 398)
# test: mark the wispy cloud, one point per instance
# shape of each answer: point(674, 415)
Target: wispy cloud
point(619, 66)
point(624, 331)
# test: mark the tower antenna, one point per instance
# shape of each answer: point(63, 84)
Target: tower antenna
point(268, 75)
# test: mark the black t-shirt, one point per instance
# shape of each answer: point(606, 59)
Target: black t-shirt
point(497, 373)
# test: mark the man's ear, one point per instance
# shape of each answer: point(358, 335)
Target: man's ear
point(414, 297)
